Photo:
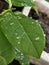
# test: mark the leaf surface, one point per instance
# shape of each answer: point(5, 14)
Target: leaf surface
point(23, 59)
point(23, 33)
point(2, 61)
point(6, 49)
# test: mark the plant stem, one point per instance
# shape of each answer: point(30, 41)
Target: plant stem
point(10, 4)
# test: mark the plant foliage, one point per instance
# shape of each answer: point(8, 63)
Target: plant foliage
point(20, 36)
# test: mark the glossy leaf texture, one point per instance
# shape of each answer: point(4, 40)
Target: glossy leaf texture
point(2, 61)
point(22, 2)
point(23, 59)
point(23, 33)
point(6, 49)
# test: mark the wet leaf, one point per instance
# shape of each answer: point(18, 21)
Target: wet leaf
point(23, 33)
point(23, 59)
point(6, 49)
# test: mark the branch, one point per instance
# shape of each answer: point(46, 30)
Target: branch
point(43, 6)
point(38, 61)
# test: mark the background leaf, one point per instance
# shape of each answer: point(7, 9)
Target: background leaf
point(22, 2)
point(23, 33)
point(2, 61)
point(6, 49)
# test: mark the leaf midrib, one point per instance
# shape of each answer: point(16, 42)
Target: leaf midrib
point(28, 37)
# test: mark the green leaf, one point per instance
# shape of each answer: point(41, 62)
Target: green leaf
point(47, 0)
point(22, 2)
point(23, 33)
point(2, 61)
point(6, 49)
point(24, 60)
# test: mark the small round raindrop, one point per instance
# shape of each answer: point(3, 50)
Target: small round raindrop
point(18, 37)
point(37, 38)
point(36, 20)
point(11, 23)
point(21, 54)
point(44, 35)
point(18, 42)
point(22, 63)
point(32, 22)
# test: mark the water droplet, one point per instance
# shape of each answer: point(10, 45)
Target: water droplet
point(22, 4)
point(11, 23)
point(19, 17)
point(16, 34)
point(44, 35)
point(18, 37)
point(17, 50)
point(32, 0)
point(37, 38)
point(21, 54)
point(31, 17)
point(32, 22)
point(28, 62)
point(36, 20)
point(22, 63)
point(18, 42)
point(39, 25)
point(21, 26)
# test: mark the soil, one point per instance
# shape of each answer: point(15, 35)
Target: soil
point(3, 5)
point(43, 20)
